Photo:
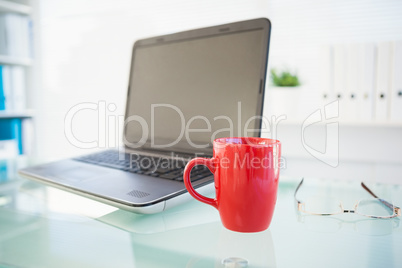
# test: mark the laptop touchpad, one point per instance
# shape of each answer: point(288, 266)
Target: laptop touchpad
point(78, 174)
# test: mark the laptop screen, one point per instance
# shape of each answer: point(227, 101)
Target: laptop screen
point(185, 93)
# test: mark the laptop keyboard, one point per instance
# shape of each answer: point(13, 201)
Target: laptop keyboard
point(140, 164)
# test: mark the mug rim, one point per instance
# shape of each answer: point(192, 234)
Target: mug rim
point(246, 141)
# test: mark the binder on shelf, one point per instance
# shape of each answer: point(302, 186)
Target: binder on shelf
point(12, 88)
point(2, 97)
point(3, 33)
point(7, 88)
point(326, 74)
point(383, 75)
point(396, 83)
point(366, 60)
point(10, 34)
point(351, 90)
point(18, 88)
point(15, 35)
point(27, 137)
point(11, 129)
point(340, 80)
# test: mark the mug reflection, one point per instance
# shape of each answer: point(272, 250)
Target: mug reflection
point(239, 249)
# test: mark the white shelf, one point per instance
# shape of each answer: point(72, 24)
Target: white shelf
point(22, 114)
point(371, 124)
point(8, 6)
point(348, 123)
point(11, 60)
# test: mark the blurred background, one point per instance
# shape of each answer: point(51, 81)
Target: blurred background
point(346, 56)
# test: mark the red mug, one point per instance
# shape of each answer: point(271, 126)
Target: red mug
point(246, 174)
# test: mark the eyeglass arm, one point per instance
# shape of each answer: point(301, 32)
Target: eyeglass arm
point(297, 200)
point(387, 204)
point(368, 190)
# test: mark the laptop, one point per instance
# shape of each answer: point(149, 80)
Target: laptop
point(185, 89)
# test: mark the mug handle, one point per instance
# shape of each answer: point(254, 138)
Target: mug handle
point(210, 163)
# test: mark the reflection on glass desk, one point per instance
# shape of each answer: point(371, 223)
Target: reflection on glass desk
point(45, 227)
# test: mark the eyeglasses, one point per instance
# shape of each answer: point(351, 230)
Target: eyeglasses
point(373, 208)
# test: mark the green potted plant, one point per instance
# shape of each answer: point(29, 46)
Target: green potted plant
point(283, 95)
point(284, 79)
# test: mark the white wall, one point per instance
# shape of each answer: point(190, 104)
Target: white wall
point(86, 47)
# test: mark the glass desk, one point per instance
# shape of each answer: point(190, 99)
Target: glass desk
point(42, 226)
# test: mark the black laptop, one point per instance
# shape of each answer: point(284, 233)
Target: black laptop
point(185, 89)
